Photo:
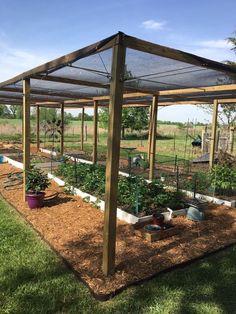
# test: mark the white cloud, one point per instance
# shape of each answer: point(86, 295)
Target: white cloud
point(219, 43)
point(152, 24)
point(16, 60)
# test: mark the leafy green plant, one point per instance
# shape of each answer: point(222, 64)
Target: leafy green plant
point(223, 179)
point(36, 181)
point(135, 194)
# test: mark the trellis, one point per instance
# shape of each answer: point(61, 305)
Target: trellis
point(95, 76)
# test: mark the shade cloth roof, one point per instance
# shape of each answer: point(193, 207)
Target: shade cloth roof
point(83, 75)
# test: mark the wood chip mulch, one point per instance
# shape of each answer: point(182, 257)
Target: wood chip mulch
point(75, 230)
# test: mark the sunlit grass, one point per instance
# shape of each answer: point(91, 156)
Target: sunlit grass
point(34, 280)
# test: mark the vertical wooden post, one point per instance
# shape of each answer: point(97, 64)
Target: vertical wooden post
point(153, 137)
point(37, 129)
point(82, 129)
point(26, 132)
point(149, 133)
point(113, 156)
point(231, 140)
point(213, 133)
point(95, 130)
point(62, 129)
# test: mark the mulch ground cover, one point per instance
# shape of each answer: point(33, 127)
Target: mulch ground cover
point(75, 230)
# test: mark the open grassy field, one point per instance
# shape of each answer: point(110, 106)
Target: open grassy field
point(172, 139)
point(34, 280)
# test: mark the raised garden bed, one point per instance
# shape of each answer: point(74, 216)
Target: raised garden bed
point(75, 230)
point(151, 236)
point(228, 201)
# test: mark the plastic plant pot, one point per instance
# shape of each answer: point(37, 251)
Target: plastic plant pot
point(35, 200)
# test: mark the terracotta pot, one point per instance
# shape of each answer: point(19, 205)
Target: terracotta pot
point(158, 219)
point(35, 200)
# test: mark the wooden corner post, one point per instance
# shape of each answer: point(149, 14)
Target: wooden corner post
point(82, 130)
point(153, 137)
point(62, 129)
point(149, 133)
point(213, 134)
point(95, 130)
point(113, 155)
point(37, 128)
point(26, 132)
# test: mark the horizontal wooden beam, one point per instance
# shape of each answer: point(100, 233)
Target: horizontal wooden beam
point(64, 60)
point(65, 80)
point(174, 54)
point(32, 99)
point(41, 92)
point(201, 90)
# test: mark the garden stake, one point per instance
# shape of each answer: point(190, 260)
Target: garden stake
point(137, 197)
point(194, 185)
point(177, 179)
point(75, 171)
point(176, 159)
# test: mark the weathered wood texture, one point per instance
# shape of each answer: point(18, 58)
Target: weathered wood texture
point(113, 154)
point(62, 129)
point(37, 128)
point(95, 131)
point(153, 138)
point(213, 134)
point(26, 132)
point(82, 130)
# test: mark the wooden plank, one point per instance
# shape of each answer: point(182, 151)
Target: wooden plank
point(149, 133)
point(80, 101)
point(65, 80)
point(82, 129)
point(174, 54)
point(213, 133)
point(33, 99)
point(26, 132)
point(95, 131)
point(202, 89)
point(64, 60)
point(42, 92)
point(153, 138)
point(113, 154)
point(37, 128)
point(62, 130)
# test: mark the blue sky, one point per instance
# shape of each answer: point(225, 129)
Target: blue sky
point(33, 32)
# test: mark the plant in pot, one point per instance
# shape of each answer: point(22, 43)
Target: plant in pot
point(36, 183)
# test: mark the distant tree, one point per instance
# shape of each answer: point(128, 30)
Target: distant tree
point(132, 118)
point(4, 111)
point(47, 114)
point(87, 117)
point(13, 111)
point(227, 112)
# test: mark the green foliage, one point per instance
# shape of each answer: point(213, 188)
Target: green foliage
point(200, 181)
point(4, 111)
point(87, 117)
point(132, 118)
point(135, 194)
point(36, 181)
point(223, 178)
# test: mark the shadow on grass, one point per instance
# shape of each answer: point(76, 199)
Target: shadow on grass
point(33, 280)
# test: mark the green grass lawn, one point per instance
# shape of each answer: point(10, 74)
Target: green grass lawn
point(34, 280)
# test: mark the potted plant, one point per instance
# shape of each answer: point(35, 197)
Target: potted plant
point(36, 183)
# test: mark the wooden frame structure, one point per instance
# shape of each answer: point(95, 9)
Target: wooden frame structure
point(52, 85)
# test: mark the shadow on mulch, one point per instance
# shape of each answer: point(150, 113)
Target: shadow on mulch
point(57, 200)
